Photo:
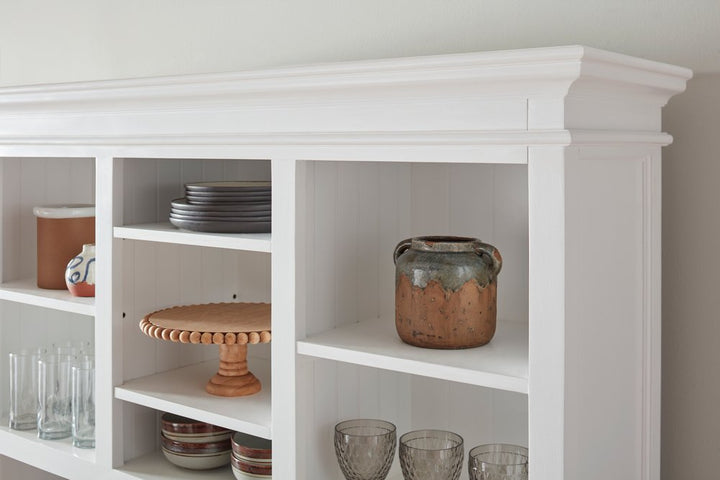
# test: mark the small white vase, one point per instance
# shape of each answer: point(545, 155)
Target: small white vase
point(80, 273)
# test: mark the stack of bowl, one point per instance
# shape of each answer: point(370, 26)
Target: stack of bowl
point(195, 445)
point(224, 207)
point(251, 457)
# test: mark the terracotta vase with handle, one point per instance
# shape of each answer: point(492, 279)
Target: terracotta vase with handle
point(446, 291)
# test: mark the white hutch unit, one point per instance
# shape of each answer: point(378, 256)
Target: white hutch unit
point(552, 155)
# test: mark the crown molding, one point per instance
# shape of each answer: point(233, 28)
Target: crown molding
point(506, 97)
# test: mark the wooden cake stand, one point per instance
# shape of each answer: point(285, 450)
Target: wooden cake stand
point(231, 326)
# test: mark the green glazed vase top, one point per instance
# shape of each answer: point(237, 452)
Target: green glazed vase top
point(432, 258)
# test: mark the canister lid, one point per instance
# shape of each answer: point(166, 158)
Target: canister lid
point(77, 210)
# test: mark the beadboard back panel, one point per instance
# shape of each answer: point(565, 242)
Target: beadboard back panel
point(24, 184)
point(31, 182)
point(161, 275)
point(356, 214)
point(344, 391)
point(150, 184)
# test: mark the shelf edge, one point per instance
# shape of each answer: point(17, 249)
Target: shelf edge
point(45, 454)
point(142, 233)
point(414, 367)
point(46, 302)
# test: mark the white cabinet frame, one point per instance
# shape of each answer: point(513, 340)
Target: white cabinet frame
point(584, 123)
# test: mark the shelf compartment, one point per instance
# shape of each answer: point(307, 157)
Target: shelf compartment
point(164, 232)
point(502, 364)
point(182, 391)
point(58, 457)
point(154, 466)
point(26, 291)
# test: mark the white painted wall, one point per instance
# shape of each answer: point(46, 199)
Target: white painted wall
point(48, 40)
point(691, 276)
point(45, 41)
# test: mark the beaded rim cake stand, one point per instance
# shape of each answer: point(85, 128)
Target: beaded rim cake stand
point(231, 326)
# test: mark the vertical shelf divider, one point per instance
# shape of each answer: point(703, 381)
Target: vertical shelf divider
point(108, 334)
point(546, 222)
point(287, 317)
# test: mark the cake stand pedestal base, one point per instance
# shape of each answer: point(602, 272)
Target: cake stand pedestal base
point(233, 378)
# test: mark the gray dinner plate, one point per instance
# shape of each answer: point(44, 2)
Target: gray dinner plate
point(222, 227)
point(230, 186)
point(183, 204)
point(264, 218)
point(220, 214)
point(266, 193)
point(254, 193)
point(195, 200)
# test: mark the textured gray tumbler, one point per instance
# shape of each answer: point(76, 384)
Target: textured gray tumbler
point(365, 449)
point(498, 461)
point(431, 455)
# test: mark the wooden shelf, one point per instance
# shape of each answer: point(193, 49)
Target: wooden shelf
point(58, 457)
point(26, 291)
point(182, 391)
point(166, 233)
point(501, 364)
point(154, 466)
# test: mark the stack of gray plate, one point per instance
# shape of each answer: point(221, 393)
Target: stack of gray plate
point(223, 207)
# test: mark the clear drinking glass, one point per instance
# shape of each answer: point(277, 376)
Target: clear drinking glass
point(83, 403)
point(54, 416)
point(498, 461)
point(72, 347)
point(431, 455)
point(23, 390)
point(365, 448)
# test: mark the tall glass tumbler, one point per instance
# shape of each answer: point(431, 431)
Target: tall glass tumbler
point(431, 455)
point(54, 416)
point(365, 449)
point(83, 403)
point(72, 347)
point(23, 390)
point(498, 461)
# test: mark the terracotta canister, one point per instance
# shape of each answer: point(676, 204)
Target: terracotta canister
point(62, 230)
point(80, 273)
point(446, 291)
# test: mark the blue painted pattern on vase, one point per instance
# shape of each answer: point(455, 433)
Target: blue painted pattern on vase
point(80, 273)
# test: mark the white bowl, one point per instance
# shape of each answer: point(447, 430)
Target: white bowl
point(198, 462)
point(240, 475)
